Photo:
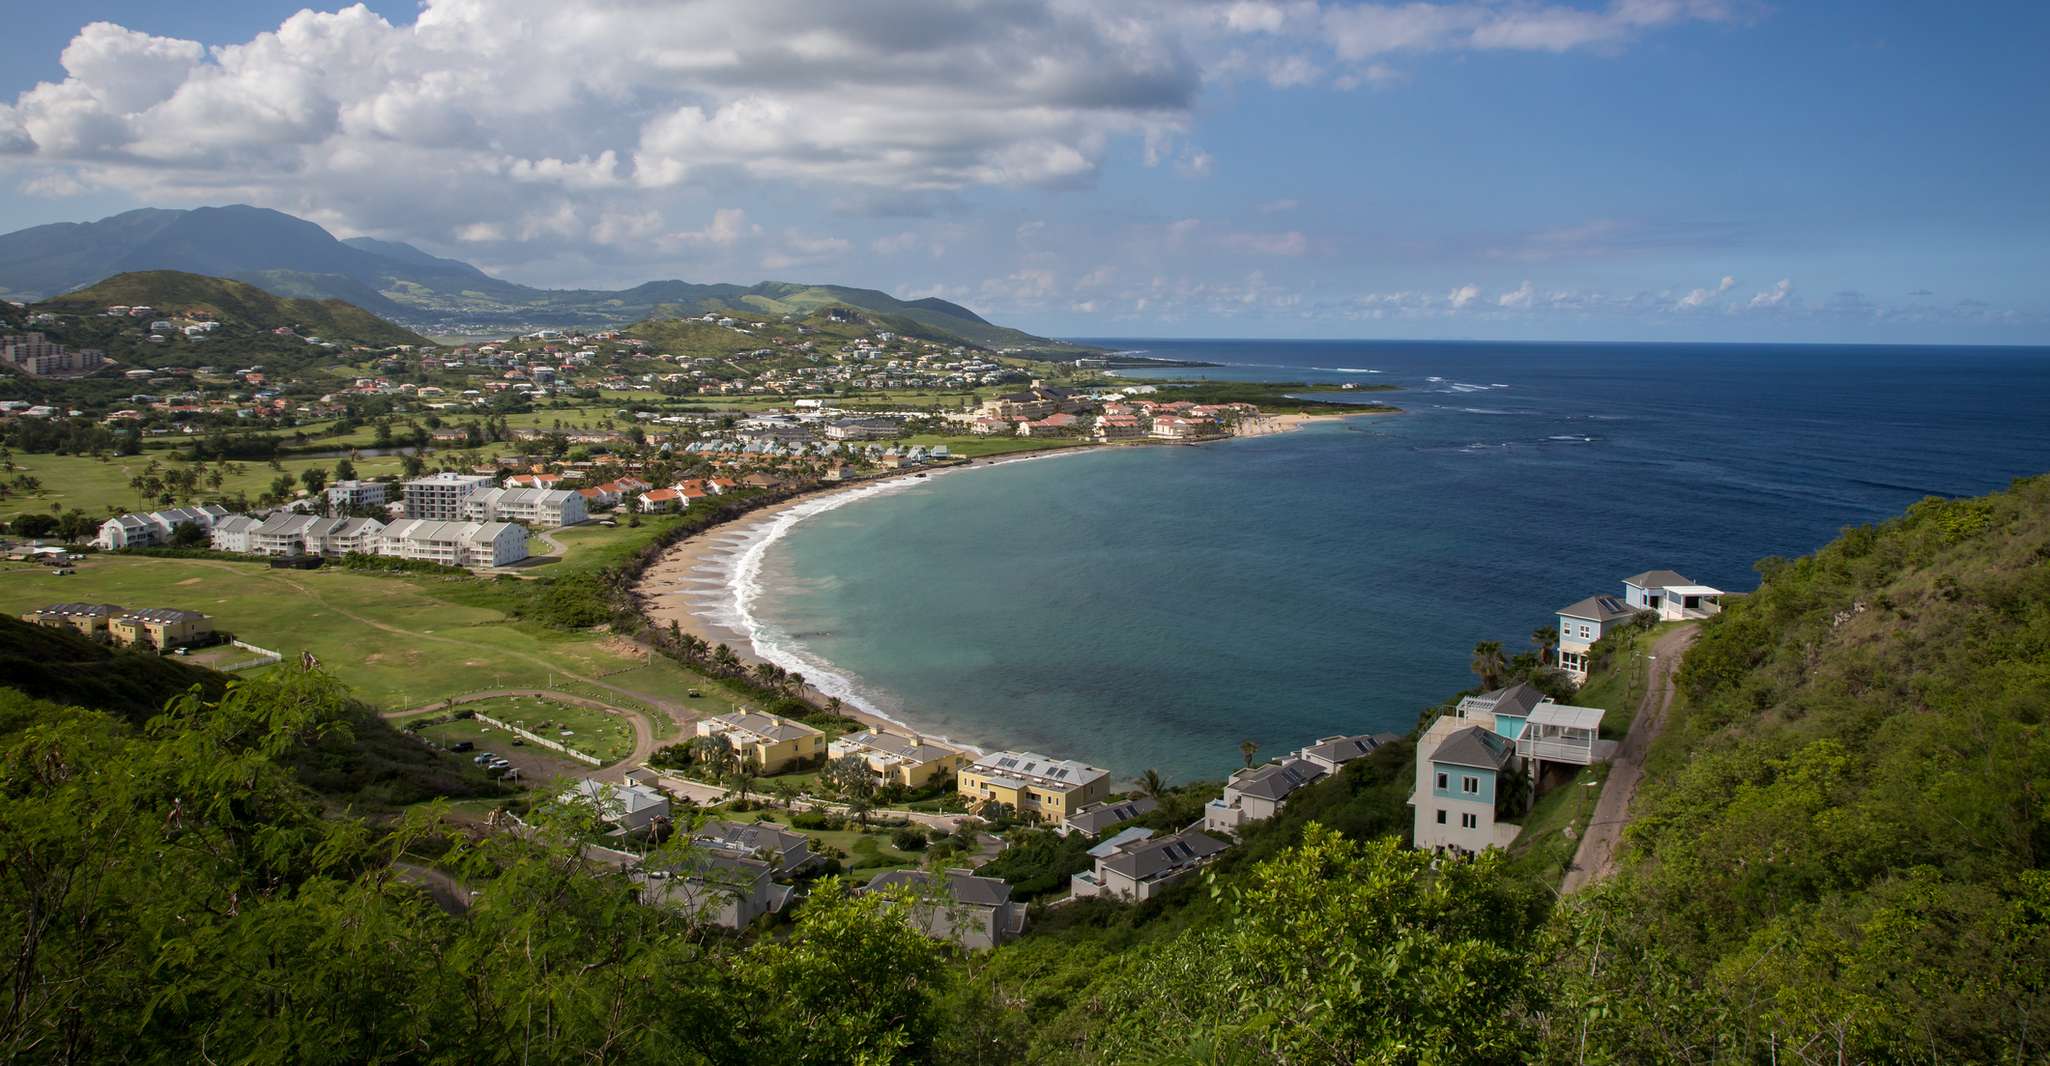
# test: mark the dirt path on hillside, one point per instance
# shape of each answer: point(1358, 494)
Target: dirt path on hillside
point(644, 734)
point(1595, 859)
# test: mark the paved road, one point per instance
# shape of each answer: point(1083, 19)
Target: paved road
point(644, 734)
point(1596, 857)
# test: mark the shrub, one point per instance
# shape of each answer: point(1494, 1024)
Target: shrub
point(909, 838)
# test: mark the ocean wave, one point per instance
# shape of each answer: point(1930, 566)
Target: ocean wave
point(1351, 370)
point(1575, 438)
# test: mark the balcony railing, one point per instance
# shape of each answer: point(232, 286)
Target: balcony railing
point(1555, 749)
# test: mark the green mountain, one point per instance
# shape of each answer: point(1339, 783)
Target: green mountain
point(292, 257)
point(234, 303)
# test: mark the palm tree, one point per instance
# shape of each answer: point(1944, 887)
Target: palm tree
point(1152, 785)
point(1247, 749)
point(743, 776)
point(785, 792)
point(1546, 639)
point(861, 805)
point(1488, 662)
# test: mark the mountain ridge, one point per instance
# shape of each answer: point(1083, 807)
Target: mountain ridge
point(296, 258)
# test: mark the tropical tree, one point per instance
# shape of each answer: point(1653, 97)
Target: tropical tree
point(860, 806)
point(1546, 638)
point(1247, 749)
point(1488, 663)
point(1152, 785)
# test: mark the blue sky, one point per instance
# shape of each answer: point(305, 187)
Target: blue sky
point(1655, 169)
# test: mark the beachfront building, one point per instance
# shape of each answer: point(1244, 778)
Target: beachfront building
point(1137, 866)
point(443, 497)
point(716, 887)
point(1094, 819)
point(1034, 785)
point(774, 743)
point(974, 912)
point(1584, 623)
point(907, 762)
point(535, 507)
point(1459, 767)
point(1671, 597)
point(343, 495)
point(160, 628)
point(472, 544)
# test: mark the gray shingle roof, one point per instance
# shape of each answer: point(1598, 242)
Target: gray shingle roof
point(1346, 749)
point(1601, 608)
point(963, 886)
point(1276, 780)
point(1518, 699)
point(1098, 817)
point(1474, 746)
point(1652, 579)
point(1162, 855)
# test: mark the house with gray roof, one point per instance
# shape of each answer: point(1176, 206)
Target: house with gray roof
point(1460, 767)
point(1097, 817)
point(715, 887)
point(1586, 622)
point(786, 853)
point(1144, 867)
point(1670, 596)
point(974, 912)
point(1258, 793)
point(1330, 753)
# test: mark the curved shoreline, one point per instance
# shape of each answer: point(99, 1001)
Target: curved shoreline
point(706, 583)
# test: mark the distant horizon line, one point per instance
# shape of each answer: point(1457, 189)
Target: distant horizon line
point(1078, 339)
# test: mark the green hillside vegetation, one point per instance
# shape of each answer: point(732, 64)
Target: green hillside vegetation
point(1840, 849)
point(235, 303)
point(1839, 856)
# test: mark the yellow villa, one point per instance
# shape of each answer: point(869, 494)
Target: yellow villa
point(88, 618)
point(775, 743)
point(908, 762)
point(159, 627)
point(1034, 785)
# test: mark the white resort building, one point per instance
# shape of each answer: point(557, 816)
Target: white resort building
point(444, 496)
point(535, 507)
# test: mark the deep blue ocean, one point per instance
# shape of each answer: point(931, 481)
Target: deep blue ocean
point(1152, 607)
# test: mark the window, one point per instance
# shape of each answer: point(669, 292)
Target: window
point(1469, 821)
point(1470, 785)
point(1444, 780)
point(1441, 816)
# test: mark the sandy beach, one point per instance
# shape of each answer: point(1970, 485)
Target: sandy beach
point(690, 585)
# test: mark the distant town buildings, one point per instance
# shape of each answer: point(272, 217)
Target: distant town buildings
point(38, 356)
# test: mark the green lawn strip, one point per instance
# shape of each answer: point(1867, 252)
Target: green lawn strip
point(94, 486)
point(1544, 848)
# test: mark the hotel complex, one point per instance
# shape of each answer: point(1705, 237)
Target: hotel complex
point(1034, 785)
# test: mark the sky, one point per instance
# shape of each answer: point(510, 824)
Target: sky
point(1685, 170)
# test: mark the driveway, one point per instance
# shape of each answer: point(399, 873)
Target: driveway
point(1595, 859)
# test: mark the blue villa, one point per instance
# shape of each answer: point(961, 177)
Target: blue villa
point(1463, 756)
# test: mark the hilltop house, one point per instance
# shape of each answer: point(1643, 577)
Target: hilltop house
point(1463, 757)
point(774, 743)
point(1033, 785)
point(907, 762)
point(1584, 623)
point(974, 912)
point(1142, 867)
point(1671, 597)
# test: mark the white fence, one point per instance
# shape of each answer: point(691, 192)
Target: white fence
point(537, 738)
point(265, 657)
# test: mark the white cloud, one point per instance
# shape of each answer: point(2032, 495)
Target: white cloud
point(728, 227)
point(1518, 299)
point(1726, 284)
point(1775, 296)
point(1365, 30)
point(1463, 296)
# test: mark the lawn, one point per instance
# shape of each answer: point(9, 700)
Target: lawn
point(101, 487)
point(388, 637)
point(605, 737)
point(1544, 848)
point(972, 447)
point(869, 852)
point(1618, 686)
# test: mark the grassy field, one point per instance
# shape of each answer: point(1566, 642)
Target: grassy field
point(978, 447)
point(97, 487)
point(388, 637)
point(594, 733)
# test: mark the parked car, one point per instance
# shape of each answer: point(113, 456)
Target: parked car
point(461, 745)
point(483, 757)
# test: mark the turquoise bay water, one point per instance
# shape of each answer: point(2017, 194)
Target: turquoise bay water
point(1151, 607)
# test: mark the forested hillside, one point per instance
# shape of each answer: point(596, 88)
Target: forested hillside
point(1838, 857)
point(1841, 847)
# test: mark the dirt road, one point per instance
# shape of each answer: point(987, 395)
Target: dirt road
point(1596, 857)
